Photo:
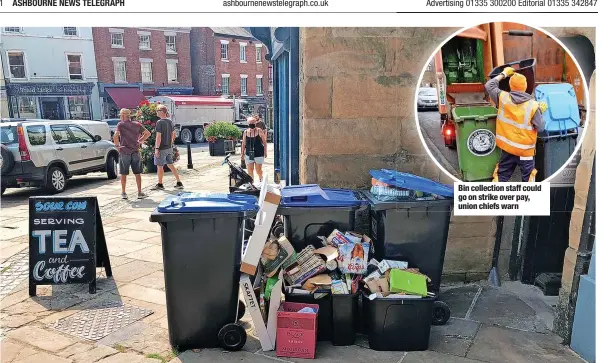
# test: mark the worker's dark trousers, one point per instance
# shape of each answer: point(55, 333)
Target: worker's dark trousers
point(506, 166)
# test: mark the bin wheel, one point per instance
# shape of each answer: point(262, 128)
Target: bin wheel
point(441, 313)
point(241, 309)
point(278, 230)
point(232, 337)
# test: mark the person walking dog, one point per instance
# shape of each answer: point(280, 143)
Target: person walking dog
point(128, 137)
point(163, 153)
point(517, 125)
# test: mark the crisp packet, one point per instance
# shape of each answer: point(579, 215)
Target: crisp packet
point(353, 258)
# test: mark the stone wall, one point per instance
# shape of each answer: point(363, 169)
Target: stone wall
point(358, 113)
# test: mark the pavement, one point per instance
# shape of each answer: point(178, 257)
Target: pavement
point(508, 324)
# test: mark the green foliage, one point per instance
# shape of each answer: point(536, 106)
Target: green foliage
point(222, 130)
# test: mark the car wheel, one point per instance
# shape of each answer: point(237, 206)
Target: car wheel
point(111, 166)
point(185, 136)
point(199, 135)
point(56, 180)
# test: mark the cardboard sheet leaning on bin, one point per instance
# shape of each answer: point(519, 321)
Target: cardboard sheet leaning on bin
point(266, 332)
point(270, 198)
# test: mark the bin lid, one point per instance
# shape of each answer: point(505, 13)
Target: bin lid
point(411, 181)
point(208, 203)
point(312, 196)
point(562, 106)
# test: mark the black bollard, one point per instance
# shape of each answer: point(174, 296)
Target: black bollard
point(190, 166)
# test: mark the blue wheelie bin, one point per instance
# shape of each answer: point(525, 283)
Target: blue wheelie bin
point(202, 237)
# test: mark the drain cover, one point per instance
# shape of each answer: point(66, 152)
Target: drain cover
point(101, 320)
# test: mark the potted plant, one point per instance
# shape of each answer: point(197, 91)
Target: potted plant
point(146, 114)
point(222, 137)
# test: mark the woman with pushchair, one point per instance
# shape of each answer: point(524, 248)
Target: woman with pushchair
point(254, 148)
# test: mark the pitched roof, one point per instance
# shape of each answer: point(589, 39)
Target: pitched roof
point(234, 31)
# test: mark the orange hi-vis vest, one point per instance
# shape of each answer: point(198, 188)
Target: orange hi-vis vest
point(515, 133)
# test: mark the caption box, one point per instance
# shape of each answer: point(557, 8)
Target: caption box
point(502, 199)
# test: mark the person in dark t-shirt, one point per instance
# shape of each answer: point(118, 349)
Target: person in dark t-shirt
point(163, 154)
point(128, 137)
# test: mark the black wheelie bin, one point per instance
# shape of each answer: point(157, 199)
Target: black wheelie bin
point(202, 237)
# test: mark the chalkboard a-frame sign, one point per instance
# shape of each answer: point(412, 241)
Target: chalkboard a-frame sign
point(67, 242)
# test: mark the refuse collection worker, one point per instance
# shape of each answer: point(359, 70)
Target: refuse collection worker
point(517, 125)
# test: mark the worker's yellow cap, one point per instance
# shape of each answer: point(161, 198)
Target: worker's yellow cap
point(518, 82)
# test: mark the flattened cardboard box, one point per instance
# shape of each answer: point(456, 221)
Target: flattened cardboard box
point(266, 334)
point(255, 246)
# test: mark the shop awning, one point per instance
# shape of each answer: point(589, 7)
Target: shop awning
point(126, 97)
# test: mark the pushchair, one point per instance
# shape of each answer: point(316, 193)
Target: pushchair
point(238, 178)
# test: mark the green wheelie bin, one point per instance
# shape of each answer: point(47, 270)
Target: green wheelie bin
point(476, 141)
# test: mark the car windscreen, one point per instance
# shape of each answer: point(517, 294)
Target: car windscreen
point(8, 135)
point(427, 92)
point(112, 122)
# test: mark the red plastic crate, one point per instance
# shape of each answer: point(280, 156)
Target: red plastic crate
point(296, 332)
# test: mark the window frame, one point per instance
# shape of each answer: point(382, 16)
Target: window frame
point(116, 61)
point(244, 77)
point(227, 78)
point(25, 68)
point(169, 50)
point(86, 102)
point(243, 52)
point(69, 128)
point(224, 44)
point(67, 58)
point(70, 35)
point(141, 34)
point(173, 63)
point(120, 32)
point(259, 85)
point(141, 69)
point(71, 139)
point(16, 103)
point(28, 127)
point(259, 51)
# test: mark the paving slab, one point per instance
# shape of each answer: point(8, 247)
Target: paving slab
point(121, 247)
point(497, 306)
point(459, 299)
point(128, 358)
point(155, 280)
point(435, 357)
point(42, 338)
point(134, 270)
point(13, 351)
point(136, 236)
point(150, 254)
point(453, 345)
point(150, 340)
point(154, 240)
point(93, 355)
point(75, 349)
point(327, 353)
point(143, 293)
point(217, 355)
point(43, 357)
point(496, 344)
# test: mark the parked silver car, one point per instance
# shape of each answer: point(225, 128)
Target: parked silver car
point(427, 98)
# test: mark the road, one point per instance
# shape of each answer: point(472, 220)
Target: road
point(430, 123)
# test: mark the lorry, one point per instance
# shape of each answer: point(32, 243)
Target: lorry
point(191, 114)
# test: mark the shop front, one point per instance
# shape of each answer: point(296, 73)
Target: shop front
point(52, 101)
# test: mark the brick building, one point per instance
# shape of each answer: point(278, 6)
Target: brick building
point(134, 63)
point(230, 62)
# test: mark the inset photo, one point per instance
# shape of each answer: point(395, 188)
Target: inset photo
point(502, 102)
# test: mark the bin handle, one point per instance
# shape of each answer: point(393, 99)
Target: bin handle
point(519, 33)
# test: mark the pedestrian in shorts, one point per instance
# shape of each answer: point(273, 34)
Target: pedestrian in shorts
point(128, 137)
point(163, 153)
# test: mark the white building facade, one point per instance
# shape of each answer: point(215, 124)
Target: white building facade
point(50, 73)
